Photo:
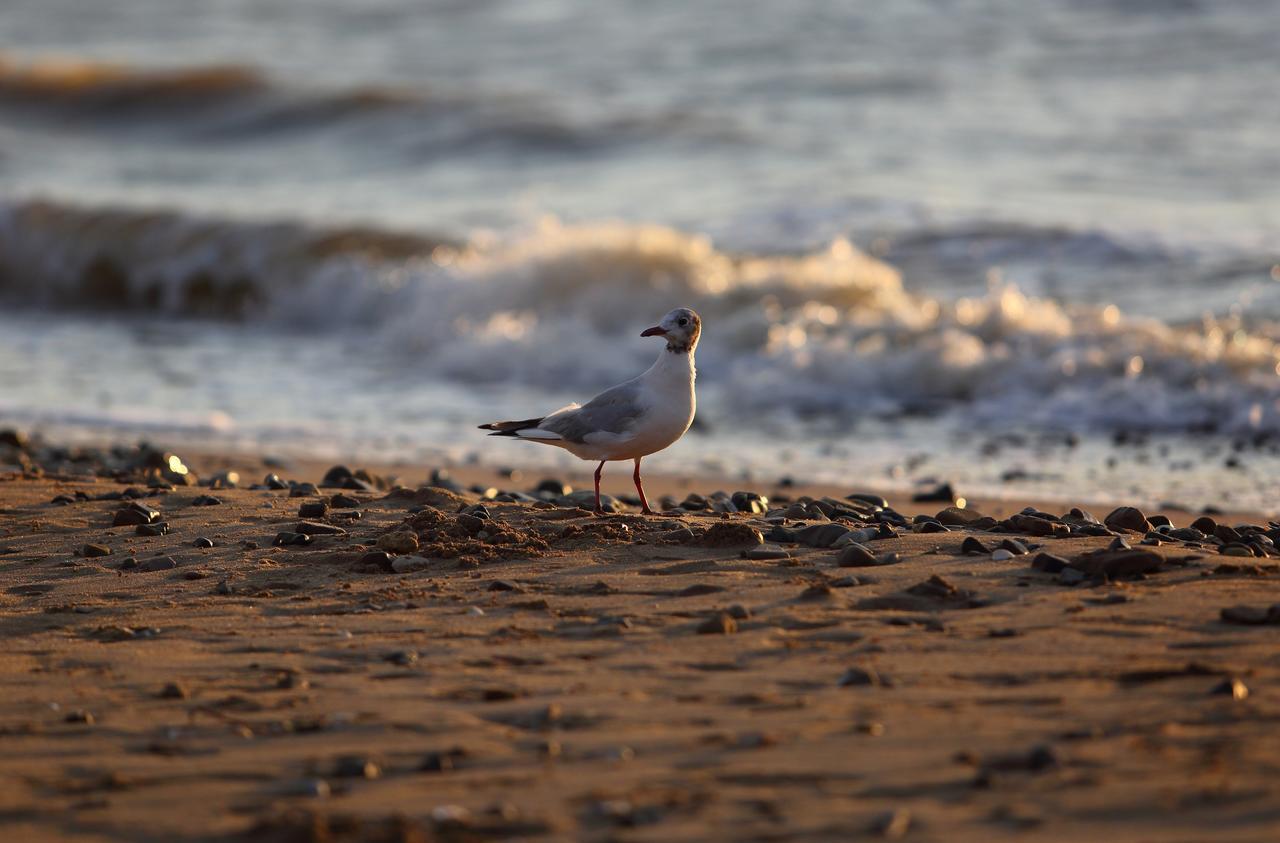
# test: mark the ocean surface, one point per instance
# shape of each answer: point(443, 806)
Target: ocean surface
point(1029, 247)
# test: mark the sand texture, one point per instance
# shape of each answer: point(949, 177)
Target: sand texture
point(533, 672)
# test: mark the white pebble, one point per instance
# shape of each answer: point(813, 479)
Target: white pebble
point(1001, 555)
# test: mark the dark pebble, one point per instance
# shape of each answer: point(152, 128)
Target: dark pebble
point(173, 691)
point(336, 476)
point(403, 658)
point(129, 563)
point(315, 528)
point(152, 530)
point(356, 767)
point(864, 497)
point(134, 514)
point(1015, 547)
point(286, 538)
point(856, 556)
point(720, 624)
point(341, 501)
point(90, 551)
point(973, 545)
point(856, 677)
point(943, 492)
point(377, 557)
point(313, 509)
point(1205, 524)
point(1048, 563)
point(274, 483)
point(206, 500)
point(1127, 518)
point(63, 500)
point(1232, 687)
point(302, 490)
point(162, 563)
point(202, 543)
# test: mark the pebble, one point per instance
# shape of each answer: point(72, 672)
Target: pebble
point(873, 500)
point(286, 538)
point(954, 516)
point(972, 545)
point(341, 501)
point(356, 767)
point(162, 563)
point(313, 788)
point(313, 509)
point(336, 476)
point(1048, 563)
point(1205, 524)
point(203, 543)
point(943, 492)
point(135, 514)
point(1015, 547)
point(158, 529)
point(1251, 615)
point(820, 535)
point(302, 490)
point(856, 677)
point(402, 657)
point(317, 528)
point(399, 542)
point(90, 551)
point(206, 500)
point(739, 612)
point(1001, 555)
point(409, 564)
point(892, 825)
point(274, 483)
point(720, 624)
point(1127, 518)
point(80, 716)
point(1232, 687)
point(766, 551)
point(856, 556)
point(173, 691)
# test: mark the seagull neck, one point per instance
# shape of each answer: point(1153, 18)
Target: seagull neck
point(673, 364)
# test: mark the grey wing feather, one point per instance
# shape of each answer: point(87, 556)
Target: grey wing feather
point(615, 410)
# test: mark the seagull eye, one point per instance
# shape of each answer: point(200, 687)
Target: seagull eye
point(683, 321)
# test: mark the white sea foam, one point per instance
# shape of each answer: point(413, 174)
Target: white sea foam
point(834, 332)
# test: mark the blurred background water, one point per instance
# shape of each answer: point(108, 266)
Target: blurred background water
point(979, 239)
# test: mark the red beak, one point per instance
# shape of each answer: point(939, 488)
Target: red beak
point(655, 331)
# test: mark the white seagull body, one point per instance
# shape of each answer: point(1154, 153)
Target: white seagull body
point(633, 419)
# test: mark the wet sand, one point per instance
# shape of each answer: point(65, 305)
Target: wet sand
point(534, 672)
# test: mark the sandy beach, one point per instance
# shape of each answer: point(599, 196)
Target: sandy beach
point(415, 663)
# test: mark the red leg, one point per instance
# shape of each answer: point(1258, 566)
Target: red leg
point(640, 488)
point(599, 468)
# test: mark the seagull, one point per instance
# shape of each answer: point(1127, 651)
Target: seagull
point(633, 419)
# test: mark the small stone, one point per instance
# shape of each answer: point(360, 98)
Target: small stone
point(356, 767)
point(202, 543)
point(1015, 547)
point(313, 509)
point(1251, 615)
point(943, 492)
point(173, 691)
point(892, 825)
point(341, 501)
point(402, 657)
point(856, 556)
point(738, 612)
point(91, 551)
point(863, 677)
point(152, 530)
point(1071, 576)
point(310, 787)
point(974, 546)
point(1127, 518)
point(161, 563)
point(302, 490)
point(274, 483)
point(317, 528)
point(80, 716)
point(1205, 525)
point(766, 551)
point(286, 538)
point(336, 476)
point(134, 514)
point(954, 516)
point(1001, 555)
point(1048, 563)
point(437, 762)
point(409, 564)
point(206, 500)
point(1231, 687)
point(376, 558)
point(399, 542)
point(720, 624)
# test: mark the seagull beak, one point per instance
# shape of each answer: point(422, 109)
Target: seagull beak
point(655, 331)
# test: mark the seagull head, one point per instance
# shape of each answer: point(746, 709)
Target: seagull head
point(680, 327)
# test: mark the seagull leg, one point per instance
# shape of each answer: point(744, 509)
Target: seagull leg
point(640, 488)
point(599, 468)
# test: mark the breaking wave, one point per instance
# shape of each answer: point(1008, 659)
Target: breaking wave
point(832, 333)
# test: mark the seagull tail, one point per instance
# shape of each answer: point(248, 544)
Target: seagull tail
point(511, 428)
